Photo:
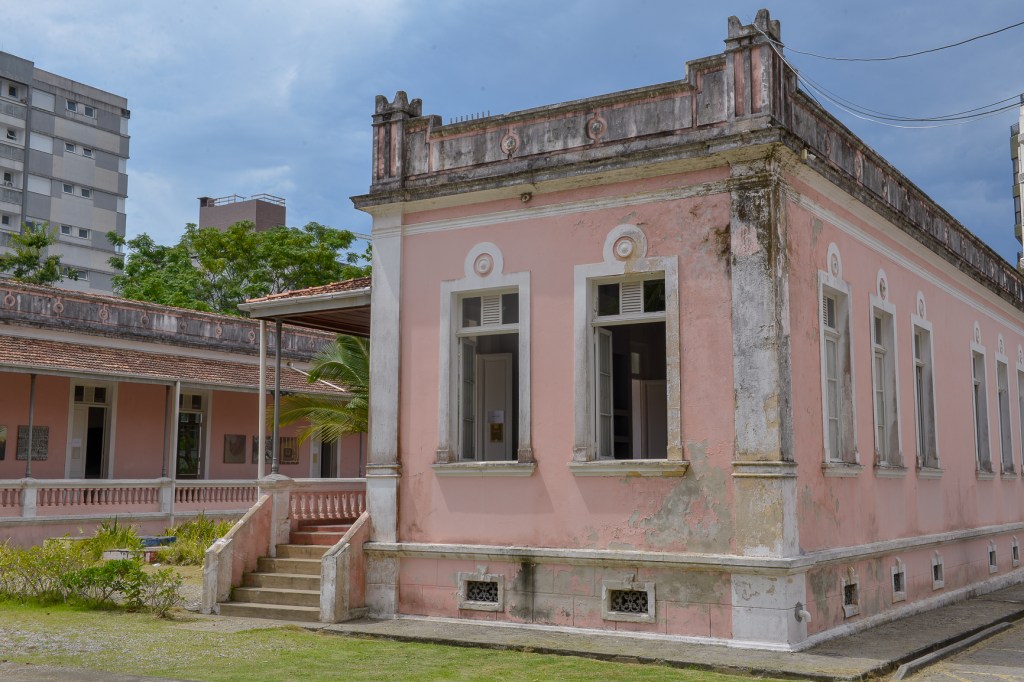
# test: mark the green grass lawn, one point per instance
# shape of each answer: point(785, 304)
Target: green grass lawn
point(203, 649)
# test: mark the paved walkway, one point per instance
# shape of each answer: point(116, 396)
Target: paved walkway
point(997, 659)
point(874, 652)
point(20, 672)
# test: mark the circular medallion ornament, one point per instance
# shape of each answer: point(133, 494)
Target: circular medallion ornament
point(509, 143)
point(144, 320)
point(1020, 355)
point(104, 314)
point(183, 327)
point(9, 300)
point(596, 128)
point(252, 335)
point(624, 248)
point(483, 264)
point(1001, 346)
point(920, 306)
point(834, 265)
point(977, 334)
point(218, 331)
point(58, 307)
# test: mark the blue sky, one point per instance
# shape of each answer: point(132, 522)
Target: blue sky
point(256, 96)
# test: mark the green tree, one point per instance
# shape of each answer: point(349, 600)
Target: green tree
point(215, 270)
point(28, 261)
point(345, 364)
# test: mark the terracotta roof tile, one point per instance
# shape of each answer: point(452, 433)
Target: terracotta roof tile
point(332, 288)
point(24, 354)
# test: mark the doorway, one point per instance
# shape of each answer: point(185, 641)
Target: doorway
point(329, 459)
point(90, 426)
point(191, 437)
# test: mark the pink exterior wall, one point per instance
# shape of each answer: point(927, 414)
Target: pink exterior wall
point(139, 431)
point(352, 458)
point(837, 512)
point(51, 409)
point(554, 508)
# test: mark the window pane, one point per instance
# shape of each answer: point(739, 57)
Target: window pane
point(99, 394)
point(471, 312)
point(608, 299)
point(509, 308)
point(654, 296)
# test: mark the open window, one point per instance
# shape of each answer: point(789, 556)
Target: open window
point(487, 339)
point(883, 377)
point(924, 399)
point(980, 398)
point(837, 377)
point(630, 368)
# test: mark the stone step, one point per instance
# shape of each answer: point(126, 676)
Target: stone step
point(301, 551)
point(306, 523)
point(284, 581)
point(327, 528)
point(307, 614)
point(302, 566)
point(301, 537)
point(276, 596)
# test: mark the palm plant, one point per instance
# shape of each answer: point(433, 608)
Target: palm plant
point(345, 363)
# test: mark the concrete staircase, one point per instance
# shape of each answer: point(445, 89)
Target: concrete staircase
point(287, 587)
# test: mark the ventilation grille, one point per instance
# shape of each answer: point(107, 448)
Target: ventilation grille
point(491, 312)
point(828, 311)
point(629, 601)
point(483, 591)
point(632, 300)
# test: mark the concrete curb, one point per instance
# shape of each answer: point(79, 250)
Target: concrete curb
point(924, 661)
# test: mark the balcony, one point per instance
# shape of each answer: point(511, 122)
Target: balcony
point(12, 110)
point(11, 196)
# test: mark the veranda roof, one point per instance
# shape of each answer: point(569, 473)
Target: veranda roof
point(340, 307)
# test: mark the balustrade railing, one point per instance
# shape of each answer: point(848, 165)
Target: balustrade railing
point(313, 499)
point(78, 497)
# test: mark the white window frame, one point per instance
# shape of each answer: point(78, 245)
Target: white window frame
point(625, 250)
point(70, 147)
point(87, 152)
point(66, 230)
point(65, 187)
point(850, 579)
point(89, 111)
point(85, 192)
point(847, 460)
point(1006, 459)
point(924, 409)
point(1014, 552)
point(484, 274)
point(886, 389)
point(9, 93)
point(72, 106)
point(12, 134)
point(609, 586)
point(898, 568)
point(993, 557)
point(938, 577)
point(979, 411)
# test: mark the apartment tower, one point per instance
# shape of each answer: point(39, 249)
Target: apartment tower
point(63, 155)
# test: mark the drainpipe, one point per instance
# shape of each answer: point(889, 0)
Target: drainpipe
point(261, 439)
point(275, 463)
point(31, 424)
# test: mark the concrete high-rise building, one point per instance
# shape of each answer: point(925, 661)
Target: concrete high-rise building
point(63, 155)
point(265, 211)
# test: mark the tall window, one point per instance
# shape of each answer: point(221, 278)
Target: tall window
point(924, 400)
point(1003, 400)
point(488, 383)
point(883, 376)
point(980, 413)
point(630, 368)
point(1020, 410)
point(837, 386)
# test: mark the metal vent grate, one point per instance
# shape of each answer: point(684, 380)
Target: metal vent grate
point(628, 601)
point(480, 590)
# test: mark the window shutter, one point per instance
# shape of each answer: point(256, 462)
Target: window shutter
point(491, 310)
point(632, 297)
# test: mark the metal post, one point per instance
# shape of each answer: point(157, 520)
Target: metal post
point(275, 462)
point(261, 439)
point(176, 411)
point(31, 424)
point(167, 409)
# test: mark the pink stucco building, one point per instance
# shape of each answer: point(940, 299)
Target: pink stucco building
point(690, 359)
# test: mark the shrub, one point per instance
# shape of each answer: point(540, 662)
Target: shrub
point(112, 535)
point(99, 584)
point(163, 592)
point(193, 538)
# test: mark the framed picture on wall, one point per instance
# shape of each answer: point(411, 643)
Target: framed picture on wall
point(289, 450)
point(234, 449)
point(267, 446)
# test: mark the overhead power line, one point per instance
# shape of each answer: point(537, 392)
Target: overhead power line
point(881, 118)
point(902, 56)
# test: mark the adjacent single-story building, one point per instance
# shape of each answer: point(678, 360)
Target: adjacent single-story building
point(138, 410)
